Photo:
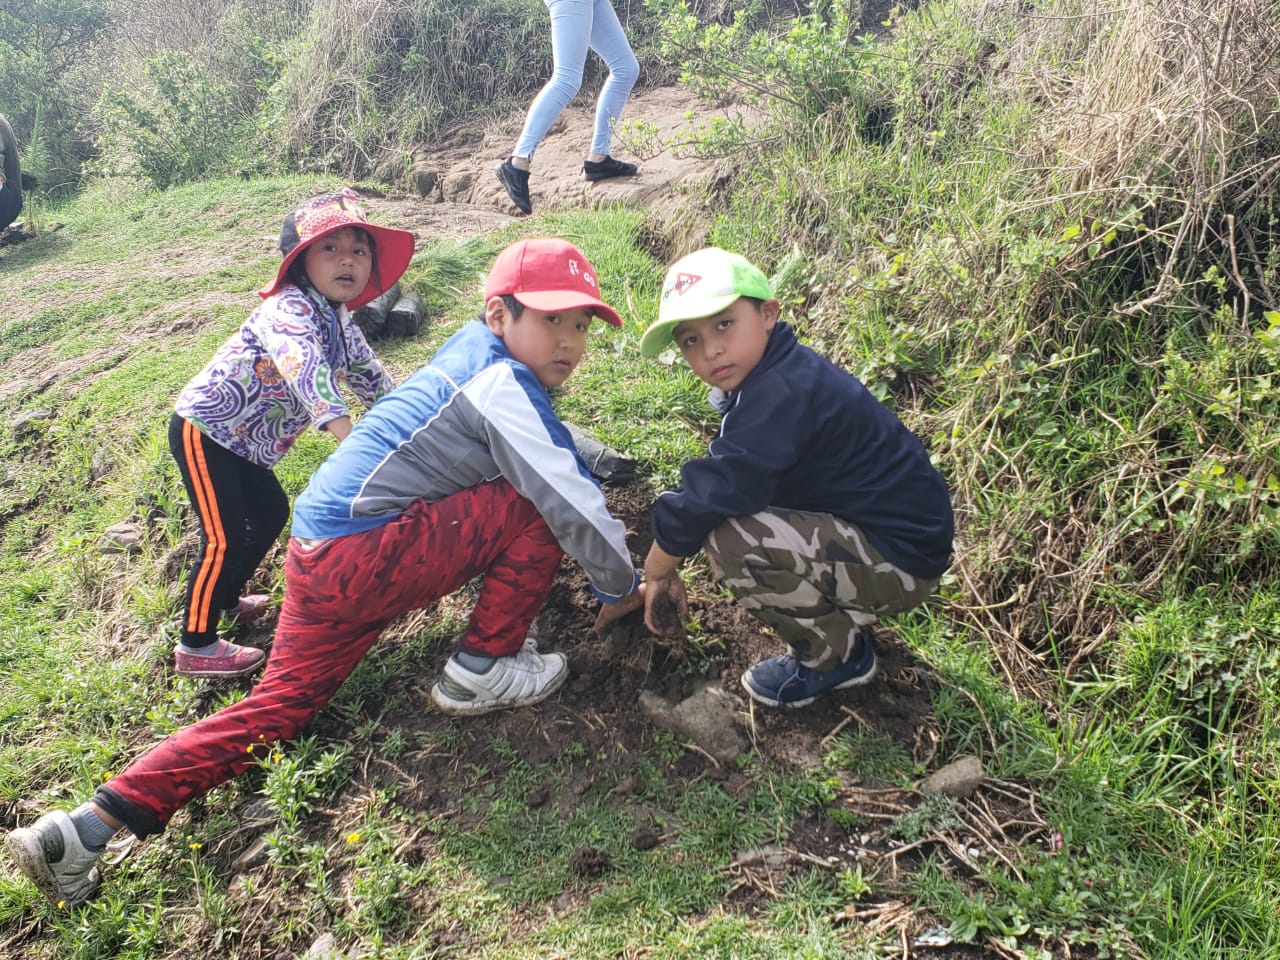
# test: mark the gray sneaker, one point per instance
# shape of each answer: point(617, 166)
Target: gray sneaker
point(513, 681)
point(51, 855)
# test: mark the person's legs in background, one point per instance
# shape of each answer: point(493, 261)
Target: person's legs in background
point(609, 41)
point(10, 204)
point(570, 38)
point(571, 30)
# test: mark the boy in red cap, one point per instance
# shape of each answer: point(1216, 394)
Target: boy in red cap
point(462, 471)
point(274, 377)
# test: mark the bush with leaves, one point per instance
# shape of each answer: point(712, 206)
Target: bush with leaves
point(178, 128)
point(43, 44)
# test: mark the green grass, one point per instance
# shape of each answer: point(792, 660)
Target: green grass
point(1104, 640)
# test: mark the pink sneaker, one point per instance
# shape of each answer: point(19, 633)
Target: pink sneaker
point(253, 607)
point(230, 660)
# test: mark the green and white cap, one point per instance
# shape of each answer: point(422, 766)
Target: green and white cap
point(698, 285)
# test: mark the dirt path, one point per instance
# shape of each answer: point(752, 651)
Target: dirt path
point(461, 175)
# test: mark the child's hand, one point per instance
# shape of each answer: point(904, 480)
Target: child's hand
point(666, 606)
point(610, 612)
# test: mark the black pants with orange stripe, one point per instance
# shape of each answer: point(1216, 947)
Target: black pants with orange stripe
point(241, 508)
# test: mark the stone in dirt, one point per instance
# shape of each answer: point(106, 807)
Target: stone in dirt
point(959, 779)
point(706, 717)
point(590, 862)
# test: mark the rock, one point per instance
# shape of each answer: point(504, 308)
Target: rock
point(626, 785)
point(590, 862)
point(537, 798)
point(457, 187)
point(325, 948)
point(642, 838)
point(255, 855)
point(27, 422)
point(257, 813)
point(428, 180)
point(959, 778)
point(707, 718)
point(101, 464)
point(125, 537)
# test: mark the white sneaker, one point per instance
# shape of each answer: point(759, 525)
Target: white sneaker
point(50, 853)
point(513, 681)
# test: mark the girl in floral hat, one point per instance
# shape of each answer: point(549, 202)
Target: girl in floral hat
point(273, 377)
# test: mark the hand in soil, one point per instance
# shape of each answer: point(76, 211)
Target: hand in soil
point(666, 606)
point(611, 612)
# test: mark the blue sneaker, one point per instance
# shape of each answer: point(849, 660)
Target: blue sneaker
point(785, 682)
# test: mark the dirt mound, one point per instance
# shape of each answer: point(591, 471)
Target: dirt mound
point(458, 760)
point(598, 704)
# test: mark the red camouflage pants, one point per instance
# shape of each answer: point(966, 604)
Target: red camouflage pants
point(339, 597)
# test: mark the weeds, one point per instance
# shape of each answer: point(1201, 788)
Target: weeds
point(1046, 241)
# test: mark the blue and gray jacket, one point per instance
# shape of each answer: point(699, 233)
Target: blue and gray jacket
point(473, 413)
point(799, 433)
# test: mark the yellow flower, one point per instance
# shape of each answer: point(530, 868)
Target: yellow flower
point(353, 836)
point(195, 845)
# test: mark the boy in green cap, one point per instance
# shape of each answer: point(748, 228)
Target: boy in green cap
point(818, 508)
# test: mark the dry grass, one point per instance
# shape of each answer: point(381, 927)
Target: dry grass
point(1162, 121)
point(377, 77)
point(1176, 103)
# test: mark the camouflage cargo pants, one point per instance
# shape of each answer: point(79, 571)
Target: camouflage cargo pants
point(815, 579)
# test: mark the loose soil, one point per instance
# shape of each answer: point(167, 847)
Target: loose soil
point(458, 759)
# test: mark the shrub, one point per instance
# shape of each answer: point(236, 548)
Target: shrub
point(178, 128)
point(43, 44)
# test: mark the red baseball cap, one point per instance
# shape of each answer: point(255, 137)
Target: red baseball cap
point(320, 216)
point(547, 273)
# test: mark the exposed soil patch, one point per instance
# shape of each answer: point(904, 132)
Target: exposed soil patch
point(596, 711)
point(462, 173)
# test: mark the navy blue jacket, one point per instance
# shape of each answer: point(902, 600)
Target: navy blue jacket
point(799, 433)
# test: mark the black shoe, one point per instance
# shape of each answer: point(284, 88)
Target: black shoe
point(606, 168)
point(516, 182)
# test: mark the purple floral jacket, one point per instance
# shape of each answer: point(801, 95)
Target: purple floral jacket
point(279, 373)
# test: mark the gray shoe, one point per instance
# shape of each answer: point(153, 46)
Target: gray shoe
point(513, 681)
point(51, 855)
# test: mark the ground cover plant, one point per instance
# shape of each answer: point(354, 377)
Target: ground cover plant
point(1044, 236)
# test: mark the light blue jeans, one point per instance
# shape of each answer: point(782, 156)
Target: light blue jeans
point(576, 26)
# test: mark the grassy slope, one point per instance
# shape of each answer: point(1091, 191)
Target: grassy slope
point(1154, 754)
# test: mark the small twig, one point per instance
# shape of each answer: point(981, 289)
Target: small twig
point(816, 861)
point(1001, 949)
point(826, 741)
point(690, 745)
point(409, 841)
point(1235, 271)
